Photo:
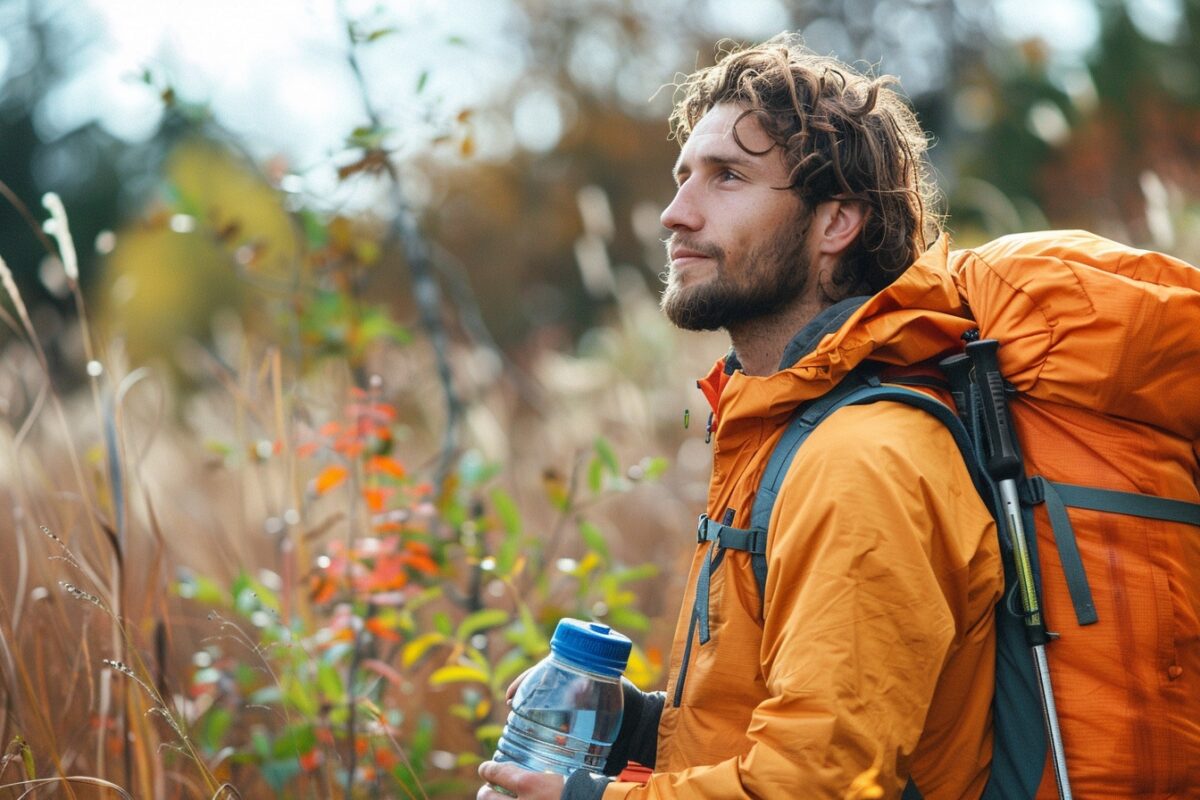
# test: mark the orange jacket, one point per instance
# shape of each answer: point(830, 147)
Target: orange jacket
point(875, 648)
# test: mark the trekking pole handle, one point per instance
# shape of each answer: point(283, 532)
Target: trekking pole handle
point(957, 369)
point(1003, 463)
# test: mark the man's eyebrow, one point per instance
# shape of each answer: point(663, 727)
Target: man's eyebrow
point(717, 160)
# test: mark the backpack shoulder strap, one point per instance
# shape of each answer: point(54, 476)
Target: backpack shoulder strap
point(854, 390)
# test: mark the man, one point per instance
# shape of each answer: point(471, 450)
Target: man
point(801, 188)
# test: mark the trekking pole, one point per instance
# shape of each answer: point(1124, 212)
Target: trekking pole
point(1005, 468)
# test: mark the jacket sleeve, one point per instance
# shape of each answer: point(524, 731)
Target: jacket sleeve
point(858, 617)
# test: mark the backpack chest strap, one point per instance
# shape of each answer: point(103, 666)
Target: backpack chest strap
point(725, 537)
point(750, 540)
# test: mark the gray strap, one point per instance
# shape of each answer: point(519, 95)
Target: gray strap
point(1132, 503)
point(1061, 496)
point(750, 540)
point(1068, 551)
point(703, 582)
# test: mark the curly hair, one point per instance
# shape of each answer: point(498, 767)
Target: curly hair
point(844, 135)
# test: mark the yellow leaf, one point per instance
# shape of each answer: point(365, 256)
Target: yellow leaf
point(419, 647)
point(642, 671)
point(458, 674)
point(482, 709)
point(330, 477)
point(588, 563)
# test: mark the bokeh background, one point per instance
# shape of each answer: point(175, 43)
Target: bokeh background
point(310, 234)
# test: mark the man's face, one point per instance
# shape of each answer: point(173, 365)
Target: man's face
point(737, 247)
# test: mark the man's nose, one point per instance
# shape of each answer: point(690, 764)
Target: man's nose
point(682, 213)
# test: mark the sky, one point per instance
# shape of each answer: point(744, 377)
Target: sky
point(275, 72)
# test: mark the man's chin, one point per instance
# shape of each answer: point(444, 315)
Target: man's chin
point(690, 312)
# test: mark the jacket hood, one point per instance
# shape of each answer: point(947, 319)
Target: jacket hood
point(918, 317)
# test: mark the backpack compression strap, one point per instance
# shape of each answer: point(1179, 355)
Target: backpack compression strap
point(1058, 497)
point(854, 390)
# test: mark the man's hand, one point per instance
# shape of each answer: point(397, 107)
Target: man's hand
point(523, 784)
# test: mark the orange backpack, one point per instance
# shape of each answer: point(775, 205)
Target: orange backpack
point(1089, 351)
point(1100, 347)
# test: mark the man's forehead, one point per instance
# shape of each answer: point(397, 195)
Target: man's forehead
point(714, 136)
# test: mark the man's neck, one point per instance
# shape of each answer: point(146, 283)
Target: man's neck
point(759, 343)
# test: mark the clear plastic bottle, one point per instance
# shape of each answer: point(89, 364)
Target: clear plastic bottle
point(566, 713)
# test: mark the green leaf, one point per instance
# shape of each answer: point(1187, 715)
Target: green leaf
point(267, 695)
point(376, 324)
point(202, 590)
point(315, 232)
point(338, 652)
point(595, 475)
point(509, 667)
point(379, 34)
point(479, 621)
point(422, 81)
point(421, 743)
point(488, 733)
point(442, 624)
point(506, 556)
point(607, 455)
point(298, 693)
point(278, 772)
point(593, 539)
point(640, 572)
point(458, 673)
point(249, 595)
point(506, 510)
point(626, 619)
point(259, 742)
point(212, 729)
point(653, 468)
point(329, 681)
point(527, 635)
point(295, 741)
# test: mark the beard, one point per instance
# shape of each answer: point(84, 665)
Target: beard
point(760, 283)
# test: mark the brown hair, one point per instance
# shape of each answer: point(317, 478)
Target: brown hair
point(845, 135)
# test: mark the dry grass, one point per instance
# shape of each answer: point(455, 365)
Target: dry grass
point(119, 488)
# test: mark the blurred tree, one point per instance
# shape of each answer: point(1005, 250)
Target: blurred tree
point(85, 165)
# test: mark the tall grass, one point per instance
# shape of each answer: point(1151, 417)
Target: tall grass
point(266, 586)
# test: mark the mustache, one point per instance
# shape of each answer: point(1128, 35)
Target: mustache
point(686, 243)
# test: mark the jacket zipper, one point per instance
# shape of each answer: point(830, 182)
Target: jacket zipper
point(687, 657)
point(687, 649)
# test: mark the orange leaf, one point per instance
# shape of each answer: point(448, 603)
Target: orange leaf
point(307, 449)
point(310, 760)
point(385, 465)
point(380, 628)
point(377, 497)
point(331, 428)
point(385, 759)
point(330, 477)
point(423, 564)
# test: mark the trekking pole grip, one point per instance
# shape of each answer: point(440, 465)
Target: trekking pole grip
point(1003, 463)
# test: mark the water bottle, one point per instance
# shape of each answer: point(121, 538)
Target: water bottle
point(566, 713)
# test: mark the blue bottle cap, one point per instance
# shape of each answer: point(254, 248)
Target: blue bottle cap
point(592, 646)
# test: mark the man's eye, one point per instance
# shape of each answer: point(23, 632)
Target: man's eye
point(728, 175)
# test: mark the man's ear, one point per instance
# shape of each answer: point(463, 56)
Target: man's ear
point(837, 226)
